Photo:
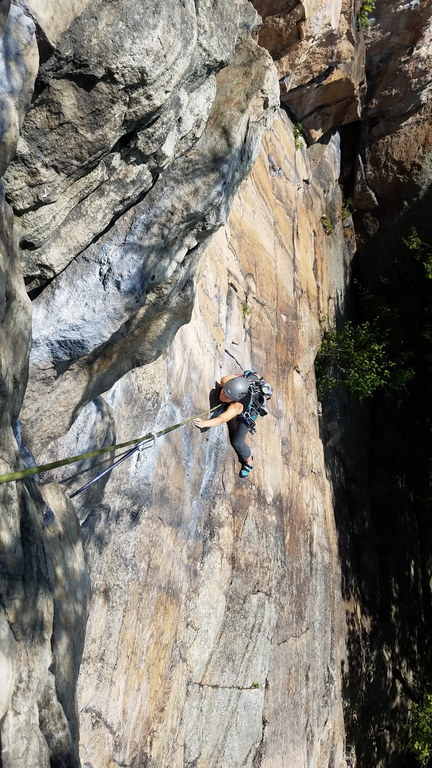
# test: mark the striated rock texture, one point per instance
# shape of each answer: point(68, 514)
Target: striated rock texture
point(216, 627)
point(216, 632)
point(18, 68)
point(147, 141)
point(396, 130)
point(320, 58)
point(115, 114)
point(52, 19)
point(43, 579)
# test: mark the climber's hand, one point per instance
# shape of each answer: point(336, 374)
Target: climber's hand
point(200, 423)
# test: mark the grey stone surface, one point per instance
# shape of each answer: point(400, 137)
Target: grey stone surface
point(396, 130)
point(18, 68)
point(216, 604)
point(15, 323)
point(127, 163)
point(319, 53)
point(116, 107)
point(53, 17)
point(44, 589)
point(138, 284)
point(216, 632)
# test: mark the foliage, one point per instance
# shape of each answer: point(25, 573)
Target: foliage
point(327, 224)
point(367, 7)
point(419, 740)
point(298, 136)
point(391, 349)
point(422, 251)
point(245, 309)
point(356, 356)
point(347, 208)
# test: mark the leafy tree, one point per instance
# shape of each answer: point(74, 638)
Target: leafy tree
point(358, 357)
point(419, 740)
point(367, 7)
point(393, 344)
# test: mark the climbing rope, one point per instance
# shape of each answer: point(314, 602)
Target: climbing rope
point(22, 473)
point(125, 456)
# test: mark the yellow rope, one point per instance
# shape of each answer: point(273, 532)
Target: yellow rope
point(20, 474)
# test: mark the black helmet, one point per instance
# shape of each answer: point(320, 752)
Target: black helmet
point(236, 388)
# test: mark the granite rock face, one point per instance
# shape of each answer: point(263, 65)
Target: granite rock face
point(319, 55)
point(52, 19)
point(43, 612)
point(112, 114)
point(15, 318)
point(127, 163)
point(18, 68)
point(397, 133)
point(116, 110)
point(216, 631)
point(216, 627)
point(43, 578)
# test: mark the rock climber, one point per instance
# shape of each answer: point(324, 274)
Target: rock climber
point(235, 395)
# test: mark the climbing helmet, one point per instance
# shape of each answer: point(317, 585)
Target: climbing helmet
point(236, 388)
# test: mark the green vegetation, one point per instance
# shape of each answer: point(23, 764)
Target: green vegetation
point(419, 730)
point(327, 224)
point(367, 7)
point(392, 345)
point(245, 309)
point(298, 135)
point(422, 251)
point(356, 356)
point(347, 208)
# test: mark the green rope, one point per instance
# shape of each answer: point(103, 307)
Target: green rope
point(8, 478)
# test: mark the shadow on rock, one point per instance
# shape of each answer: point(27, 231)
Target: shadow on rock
point(383, 562)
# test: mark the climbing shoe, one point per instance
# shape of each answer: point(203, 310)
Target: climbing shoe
point(245, 470)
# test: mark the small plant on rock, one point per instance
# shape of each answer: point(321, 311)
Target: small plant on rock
point(347, 208)
point(298, 136)
point(327, 224)
point(367, 7)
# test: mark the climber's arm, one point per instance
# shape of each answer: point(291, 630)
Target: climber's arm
point(233, 410)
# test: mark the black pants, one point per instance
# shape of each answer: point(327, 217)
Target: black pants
point(238, 431)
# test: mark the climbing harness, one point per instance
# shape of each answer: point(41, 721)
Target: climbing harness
point(22, 473)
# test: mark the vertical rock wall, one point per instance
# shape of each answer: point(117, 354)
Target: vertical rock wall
point(114, 114)
point(216, 633)
point(397, 130)
point(319, 54)
point(216, 628)
point(127, 164)
point(43, 580)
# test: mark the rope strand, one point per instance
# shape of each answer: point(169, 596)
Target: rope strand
point(22, 473)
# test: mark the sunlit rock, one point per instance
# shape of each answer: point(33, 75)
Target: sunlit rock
point(216, 601)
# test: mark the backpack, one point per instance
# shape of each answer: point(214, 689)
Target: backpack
point(260, 392)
